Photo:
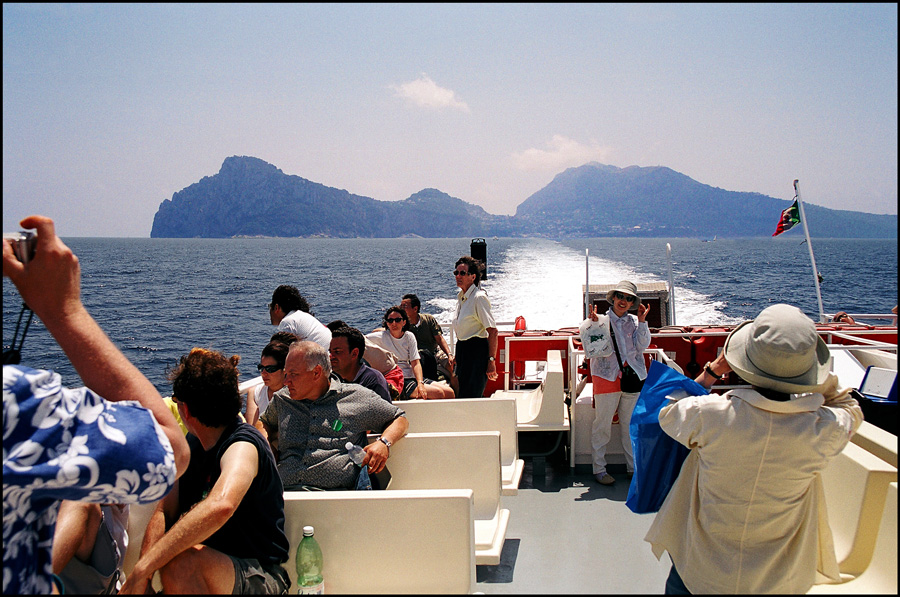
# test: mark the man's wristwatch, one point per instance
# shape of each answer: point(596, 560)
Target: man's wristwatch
point(491, 359)
point(386, 442)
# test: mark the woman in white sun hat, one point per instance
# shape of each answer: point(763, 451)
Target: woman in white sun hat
point(747, 513)
point(621, 362)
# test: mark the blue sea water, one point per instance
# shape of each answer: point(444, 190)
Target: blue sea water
point(157, 298)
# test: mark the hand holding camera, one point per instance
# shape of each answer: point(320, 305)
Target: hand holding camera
point(44, 269)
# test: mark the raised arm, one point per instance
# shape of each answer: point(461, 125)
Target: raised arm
point(50, 284)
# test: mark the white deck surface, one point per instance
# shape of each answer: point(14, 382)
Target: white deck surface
point(570, 535)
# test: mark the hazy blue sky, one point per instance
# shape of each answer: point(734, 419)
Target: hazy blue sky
point(110, 109)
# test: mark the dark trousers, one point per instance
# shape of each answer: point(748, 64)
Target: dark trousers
point(674, 584)
point(471, 367)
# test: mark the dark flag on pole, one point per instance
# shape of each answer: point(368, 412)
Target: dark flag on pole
point(789, 217)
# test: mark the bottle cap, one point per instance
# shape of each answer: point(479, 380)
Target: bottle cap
point(308, 531)
point(348, 445)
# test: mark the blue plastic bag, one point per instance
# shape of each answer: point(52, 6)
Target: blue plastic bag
point(657, 457)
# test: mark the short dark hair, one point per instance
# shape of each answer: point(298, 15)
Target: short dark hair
point(472, 265)
point(399, 310)
point(289, 299)
point(354, 338)
point(337, 323)
point(207, 382)
point(285, 337)
point(413, 300)
point(276, 350)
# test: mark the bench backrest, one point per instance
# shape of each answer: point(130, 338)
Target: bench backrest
point(428, 538)
point(546, 405)
point(467, 414)
point(855, 483)
point(877, 441)
point(463, 460)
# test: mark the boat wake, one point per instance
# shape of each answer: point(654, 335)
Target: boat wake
point(542, 280)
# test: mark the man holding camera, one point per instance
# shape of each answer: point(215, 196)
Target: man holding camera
point(75, 444)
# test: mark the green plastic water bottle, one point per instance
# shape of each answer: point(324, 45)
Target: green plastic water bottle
point(309, 565)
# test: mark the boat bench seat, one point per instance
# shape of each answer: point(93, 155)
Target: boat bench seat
point(880, 576)
point(461, 460)
point(877, 441)
point(424, 537)
point(856, 484)
point(542, 408)
point(473, 414)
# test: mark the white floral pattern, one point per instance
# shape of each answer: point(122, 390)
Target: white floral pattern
point(68, 444)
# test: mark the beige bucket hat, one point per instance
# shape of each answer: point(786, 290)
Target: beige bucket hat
point(625, 287)
point(779, 350)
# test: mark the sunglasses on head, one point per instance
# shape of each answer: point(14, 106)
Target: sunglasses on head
point(268, 368)
point(393, 319)
point(460, 272)
point(623, 297)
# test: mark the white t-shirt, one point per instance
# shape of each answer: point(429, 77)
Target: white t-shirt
point(405, 348)
point(306, 327)
point(262, 397)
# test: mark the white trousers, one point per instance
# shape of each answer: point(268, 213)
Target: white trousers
point(605, 406)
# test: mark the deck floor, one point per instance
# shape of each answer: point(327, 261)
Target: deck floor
point(569, 534)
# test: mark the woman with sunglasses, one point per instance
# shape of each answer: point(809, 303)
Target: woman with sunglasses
point(271, 367)
point(475, 331)
point(631, 337)
point(398, 340)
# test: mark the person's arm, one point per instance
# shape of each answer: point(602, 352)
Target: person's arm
point(51, 286)
point(252, 415)
point(239, 464)
point(718, 367)
point(419, 392)
point(377, 452)
point(492, 350)
point(442, 342)
point(77, 524)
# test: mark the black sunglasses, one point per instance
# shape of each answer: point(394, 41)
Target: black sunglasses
point(393, 319)
point(623, 297)
point(269, 368)
point(459, 272)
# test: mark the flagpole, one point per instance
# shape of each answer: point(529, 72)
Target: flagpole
point(812, 257)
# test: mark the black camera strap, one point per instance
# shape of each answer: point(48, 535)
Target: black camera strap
point(13, 354)
point(616, 346)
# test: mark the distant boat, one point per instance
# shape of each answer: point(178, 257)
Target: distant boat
point(713, 239)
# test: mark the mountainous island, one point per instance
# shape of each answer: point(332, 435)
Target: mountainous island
point(250, 197)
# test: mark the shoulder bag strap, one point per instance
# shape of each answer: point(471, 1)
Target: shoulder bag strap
point(616, 347)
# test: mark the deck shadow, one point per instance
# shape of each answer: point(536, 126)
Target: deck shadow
point(502, 572)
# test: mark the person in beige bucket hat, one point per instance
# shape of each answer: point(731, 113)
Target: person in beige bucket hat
point(747, 512)
point(780, 351)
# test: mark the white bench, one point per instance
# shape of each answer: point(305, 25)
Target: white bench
point(423, 539)
point(542, 408)
point(462, 460)
point(473, 414)
point(856, 484)
point(880, 576)
point(877, 441)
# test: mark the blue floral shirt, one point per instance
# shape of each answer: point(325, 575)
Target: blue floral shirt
point(68, 444)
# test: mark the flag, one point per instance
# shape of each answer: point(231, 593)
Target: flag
point(789, 217)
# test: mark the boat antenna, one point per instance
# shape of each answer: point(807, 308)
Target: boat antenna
point(671, 285)
point(812, 257)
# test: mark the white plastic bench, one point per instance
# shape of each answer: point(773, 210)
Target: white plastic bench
point(877, 441)
point(542, 408)
point(424, 537)
point(462, 460)
point(880, 576)
point(856, 484)
point(473, 414)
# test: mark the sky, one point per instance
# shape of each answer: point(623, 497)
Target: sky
point(110, 109)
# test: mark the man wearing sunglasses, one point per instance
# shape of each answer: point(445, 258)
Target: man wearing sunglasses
point(475, 331)
point(631, 337)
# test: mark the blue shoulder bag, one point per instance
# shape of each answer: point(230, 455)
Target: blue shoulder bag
point(657, 457)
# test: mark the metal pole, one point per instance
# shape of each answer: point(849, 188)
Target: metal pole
point(587, 286)
point(671, 285)
point(812, 257)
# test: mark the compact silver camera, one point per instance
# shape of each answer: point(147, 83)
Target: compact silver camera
point(23, 243)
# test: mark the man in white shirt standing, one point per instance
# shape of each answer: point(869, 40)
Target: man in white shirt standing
point(475, 331)
point(290, 312)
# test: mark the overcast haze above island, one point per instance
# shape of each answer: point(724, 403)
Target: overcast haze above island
point(110, 109)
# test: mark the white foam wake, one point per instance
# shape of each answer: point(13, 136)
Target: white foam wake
point(542, 280)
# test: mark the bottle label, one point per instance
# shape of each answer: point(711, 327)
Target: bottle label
point(318, 589)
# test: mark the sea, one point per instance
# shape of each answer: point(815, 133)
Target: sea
point(158, 298)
